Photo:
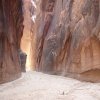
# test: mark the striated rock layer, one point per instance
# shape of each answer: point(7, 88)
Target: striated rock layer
point(68, 38)
point(11, 30)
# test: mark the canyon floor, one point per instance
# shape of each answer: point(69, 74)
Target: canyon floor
point(39, 86)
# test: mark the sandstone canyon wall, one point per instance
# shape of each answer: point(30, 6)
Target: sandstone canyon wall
point(25, 42)
point(68, 38)
point(28, 39)
point(11, 30)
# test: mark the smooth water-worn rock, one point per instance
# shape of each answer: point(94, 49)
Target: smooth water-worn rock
point(68, 38)
point(11, 30)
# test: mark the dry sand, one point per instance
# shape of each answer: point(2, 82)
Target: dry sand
point(39, 86)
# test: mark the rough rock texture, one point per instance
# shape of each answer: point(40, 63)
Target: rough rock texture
point(11, 30)
point(68, 38)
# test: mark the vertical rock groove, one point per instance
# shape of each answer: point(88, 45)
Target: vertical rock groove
point(68, 42)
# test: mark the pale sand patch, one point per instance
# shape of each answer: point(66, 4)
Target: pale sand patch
point(39, 86)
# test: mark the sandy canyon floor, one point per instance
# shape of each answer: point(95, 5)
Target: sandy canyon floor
point(39, 86)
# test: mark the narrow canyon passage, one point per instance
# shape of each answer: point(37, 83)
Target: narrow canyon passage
point(39, 86)
point(59, 41)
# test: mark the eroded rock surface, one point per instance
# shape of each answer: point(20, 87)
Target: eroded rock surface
point(68, 38)
point(11, 30)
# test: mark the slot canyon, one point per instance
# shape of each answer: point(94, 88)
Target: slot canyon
point(56, 40)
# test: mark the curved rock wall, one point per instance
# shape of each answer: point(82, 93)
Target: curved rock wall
point(68, 38)
point(11, 30)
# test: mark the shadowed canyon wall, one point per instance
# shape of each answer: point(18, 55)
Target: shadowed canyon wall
point(11, 30)
point(68, 38)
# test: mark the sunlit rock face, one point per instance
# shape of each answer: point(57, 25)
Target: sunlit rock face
point(25, 42)
point(11, 30)
point(28, 39)
point(68, 38)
